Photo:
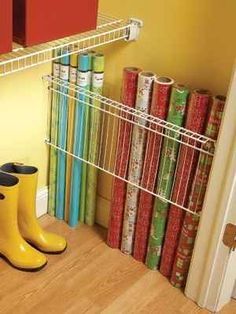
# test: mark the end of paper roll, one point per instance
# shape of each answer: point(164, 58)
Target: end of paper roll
point(147, 74)
point(181, 88)
point(164, 80)
point(220, 98)
point(202, 91)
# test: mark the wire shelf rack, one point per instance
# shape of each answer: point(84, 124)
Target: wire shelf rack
point(109, 30)
point(112, 115)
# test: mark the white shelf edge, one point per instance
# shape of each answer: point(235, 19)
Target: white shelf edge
point(109, 30)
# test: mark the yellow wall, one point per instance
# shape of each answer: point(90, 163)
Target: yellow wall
point(23, 119)
point(190, 40)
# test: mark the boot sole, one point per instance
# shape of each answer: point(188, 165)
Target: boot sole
point(47, 252)
point(27, 270)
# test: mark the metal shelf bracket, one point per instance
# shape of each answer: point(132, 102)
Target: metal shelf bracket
point(134, 30)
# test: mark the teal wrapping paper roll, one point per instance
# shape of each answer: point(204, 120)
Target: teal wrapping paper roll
point(53, 151)
point(94, 139)
point(70, 131)
point(86, 147)
point(62, 140)
point(79, 131)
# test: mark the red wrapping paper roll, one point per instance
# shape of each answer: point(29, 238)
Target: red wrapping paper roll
point(129, 92)
point(159, 109)
point(196, 199)
point(188, 159)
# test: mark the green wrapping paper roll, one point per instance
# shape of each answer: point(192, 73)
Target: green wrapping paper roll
point(86, 148)
point(94, 139)
point(178, 104)
point(53, 138)
point(62, 139)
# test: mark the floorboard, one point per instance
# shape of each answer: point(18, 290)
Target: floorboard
point(90, 278)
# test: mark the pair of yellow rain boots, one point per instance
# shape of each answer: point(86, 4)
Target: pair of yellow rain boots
point(22, 240)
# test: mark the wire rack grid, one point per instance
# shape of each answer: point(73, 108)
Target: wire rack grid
point(109, 30)
point(113, 115)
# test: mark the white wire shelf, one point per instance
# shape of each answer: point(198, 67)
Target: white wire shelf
point(109, 30)
point(134, 116)
point(112, 115)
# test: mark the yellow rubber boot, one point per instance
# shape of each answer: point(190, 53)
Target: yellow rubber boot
point(12, 246)
point(28, 224)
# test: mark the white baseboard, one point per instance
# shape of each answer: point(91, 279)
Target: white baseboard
point(42, 202)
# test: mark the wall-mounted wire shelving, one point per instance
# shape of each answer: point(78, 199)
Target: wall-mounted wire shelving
point(112, 114)
point(109, 30)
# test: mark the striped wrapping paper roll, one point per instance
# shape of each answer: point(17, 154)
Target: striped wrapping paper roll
point(70, 132)
point(199, 106)
point(53, 137)
point(94, 140)
point(159, 109)
point(62, 140)
point(196, 199)
point(170, 149)
point(144, 93)
point(83, 81)
point(128, 98)
point(86, 146)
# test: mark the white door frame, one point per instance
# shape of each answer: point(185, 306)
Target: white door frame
point(211, 260)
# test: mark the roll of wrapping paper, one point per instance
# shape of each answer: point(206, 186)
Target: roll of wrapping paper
point(169, 154)
point(196, 199)
point(159, 108)
point(53, 138)
point(62, 139)
point(70, 131)
point(86, 146)
point(198, 110)
point(94, 139)
point(128, 98)
point(143, 101)
point(83, 80)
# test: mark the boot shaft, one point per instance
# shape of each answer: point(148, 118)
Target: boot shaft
point(9, 192)
point(28, 177)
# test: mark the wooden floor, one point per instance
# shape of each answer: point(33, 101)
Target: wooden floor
point(90, 278)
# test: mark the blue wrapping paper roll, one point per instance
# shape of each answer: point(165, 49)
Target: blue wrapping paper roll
point(79, 134)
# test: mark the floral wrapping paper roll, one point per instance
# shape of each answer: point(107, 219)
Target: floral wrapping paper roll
point(159, 108)
point(196, 199)
point(128, 98)
point(53, 137)
point(144, 93)
point(170, 149)
point(198, 109)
